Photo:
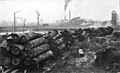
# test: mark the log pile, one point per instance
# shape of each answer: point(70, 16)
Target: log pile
point(23, 50)
point(28, 50)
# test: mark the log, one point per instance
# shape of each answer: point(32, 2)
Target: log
point(16, 37)
point(27, 61)
point(116, 35)
point(29, 36)
point(78, 31)
point(58, 36)
point(38, 50)
point(93, 33)
point(5, 61)
point(4, 44)
point(59, 41)
point(4, 57)
point(101, 32)
point(43, 56)
point(114, 43)
point(16, 61)
point(53, 33)
point(34, 43)
point(109, 30)
point(16, 49)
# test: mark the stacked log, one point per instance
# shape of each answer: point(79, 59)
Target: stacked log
point(4, 58)
point(15, 61)
point(53, 33)
point(34, 43)
point(109, 30)
point(38, 50)
point(29, 49)
point(43, 56)
point(22, 48)
point(27, 61)
point(29, 36)
point(101, 32)
point(16, 37)
point(116, 36)
point(16, 49)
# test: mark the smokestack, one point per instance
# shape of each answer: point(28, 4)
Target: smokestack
point(65, 7)
point(69, 14)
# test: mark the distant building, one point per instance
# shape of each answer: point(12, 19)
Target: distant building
point(45, 24)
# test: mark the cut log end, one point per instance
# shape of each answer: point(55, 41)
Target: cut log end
point(15, 61)
point(27, 62)
point(23, 39)
point(6, 61)
point(15, 37)
point(30, 54)
point(28, 46)
point(15, 50)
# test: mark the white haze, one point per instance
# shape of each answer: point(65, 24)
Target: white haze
point(52, 10)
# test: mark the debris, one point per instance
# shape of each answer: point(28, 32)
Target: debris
point(81, 53)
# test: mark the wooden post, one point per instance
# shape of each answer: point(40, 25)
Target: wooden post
point(38, 15)
point(24, 25)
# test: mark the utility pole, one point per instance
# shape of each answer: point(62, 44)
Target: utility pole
point(24, 25)
point(14, 27)
point(24, 22)
point(119, 13)
point(69, 14)
point(119, 6)
point(14, 23)
point(38, 15)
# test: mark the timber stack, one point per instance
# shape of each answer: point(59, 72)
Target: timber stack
point(24, 50)
point(28, 50)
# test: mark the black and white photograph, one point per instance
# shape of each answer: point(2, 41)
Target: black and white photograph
point(59, 36)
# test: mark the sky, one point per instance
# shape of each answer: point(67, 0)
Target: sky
point(52, 10)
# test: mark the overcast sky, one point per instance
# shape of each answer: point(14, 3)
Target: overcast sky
point(52, 10)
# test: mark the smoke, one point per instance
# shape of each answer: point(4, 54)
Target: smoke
point(66, 4)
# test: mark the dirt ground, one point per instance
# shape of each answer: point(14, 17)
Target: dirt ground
point(77, 64)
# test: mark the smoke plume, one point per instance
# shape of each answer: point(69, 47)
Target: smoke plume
point(66, 4)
